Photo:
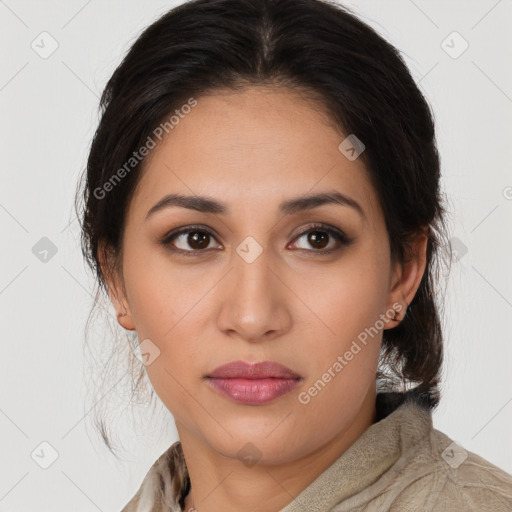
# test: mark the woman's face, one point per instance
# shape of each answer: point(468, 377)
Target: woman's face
point(256, 288)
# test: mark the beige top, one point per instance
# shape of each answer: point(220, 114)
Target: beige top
point(399, 464)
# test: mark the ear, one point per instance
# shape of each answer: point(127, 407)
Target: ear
point(115, 286)
point(407, 277)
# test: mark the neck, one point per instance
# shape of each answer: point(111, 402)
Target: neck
point(224, 483)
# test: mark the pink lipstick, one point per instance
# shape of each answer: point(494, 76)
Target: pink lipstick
point(253, 383)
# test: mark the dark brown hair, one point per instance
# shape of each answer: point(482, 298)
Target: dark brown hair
point(308, 45)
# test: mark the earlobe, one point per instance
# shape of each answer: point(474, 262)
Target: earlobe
point(125, 320)
point(124, 316)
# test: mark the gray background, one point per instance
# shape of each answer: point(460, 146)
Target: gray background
point(49, 113)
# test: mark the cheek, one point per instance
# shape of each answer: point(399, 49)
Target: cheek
point(347, 303)
point(346, 298)
point(161, 295)
point(162, 305)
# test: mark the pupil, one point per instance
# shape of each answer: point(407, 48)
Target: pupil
point(314, 238)
point(198, 239)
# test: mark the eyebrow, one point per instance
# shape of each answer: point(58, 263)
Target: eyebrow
point(287, 207)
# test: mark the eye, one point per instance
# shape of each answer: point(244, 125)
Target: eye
point(190, 239)
point(319, 236)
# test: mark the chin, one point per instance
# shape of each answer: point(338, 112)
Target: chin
point(265, 443)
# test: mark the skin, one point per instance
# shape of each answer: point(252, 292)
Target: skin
point(251, 150)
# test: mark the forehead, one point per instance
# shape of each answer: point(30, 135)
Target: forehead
point(253, 148)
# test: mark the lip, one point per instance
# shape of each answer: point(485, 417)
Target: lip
point(253, 383)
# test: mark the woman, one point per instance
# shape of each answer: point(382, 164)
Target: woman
point(262, 205)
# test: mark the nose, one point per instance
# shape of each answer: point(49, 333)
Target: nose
point(254, 300)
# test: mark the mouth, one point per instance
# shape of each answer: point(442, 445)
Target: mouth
point(253, 383)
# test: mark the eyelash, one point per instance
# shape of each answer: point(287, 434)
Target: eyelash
point(339, 235)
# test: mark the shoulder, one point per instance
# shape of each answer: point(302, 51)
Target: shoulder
point(444, 476)
point(163, 485)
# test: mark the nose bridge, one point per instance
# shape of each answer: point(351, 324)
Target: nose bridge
point(254, 305)
point(253, 274)
point(253, 259)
